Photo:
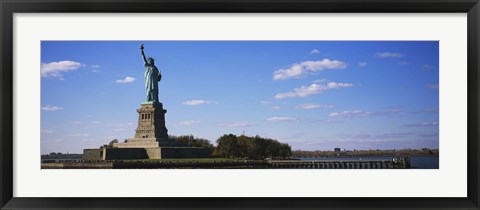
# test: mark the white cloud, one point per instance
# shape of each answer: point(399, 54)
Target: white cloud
point(314, 51)
point(127, 79)
point(265, 102)
point(81, 134)
point(46, 131)
point(51, 108)
point(188, 122)
point(296, 70)
point(362, 64)
point(324, 64)
point(432, 86)
point(285, 95)
point(319, 81)
point(429, 123)
point(55, 69)
point(95, 68)
point(299, 69)
point(334, 85)
point(427, 67)
point(237, 124)
point(281, 119)
point(375, 137)
point(96, 122)
point(429, 110)
point(395, 110)
point(276, 107)
point(328, 121)
point(121, 126)
point(198, 102)
point(388, 55)
point(315, 88)
point(348, 114)
point(313, 106)
point(434, 123)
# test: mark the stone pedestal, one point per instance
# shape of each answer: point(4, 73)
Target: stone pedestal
point(151, 122)
point(151, 130)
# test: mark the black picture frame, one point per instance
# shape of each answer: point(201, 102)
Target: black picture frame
point(10, 7)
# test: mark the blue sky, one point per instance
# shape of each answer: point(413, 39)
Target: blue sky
point(313, 95)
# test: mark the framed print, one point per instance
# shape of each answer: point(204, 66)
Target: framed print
point(239, 105)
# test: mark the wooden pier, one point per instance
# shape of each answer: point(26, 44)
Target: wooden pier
point(395, 163)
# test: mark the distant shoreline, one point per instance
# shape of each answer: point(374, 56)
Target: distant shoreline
point(361, 153)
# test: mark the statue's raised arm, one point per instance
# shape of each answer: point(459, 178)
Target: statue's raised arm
point(143, 54)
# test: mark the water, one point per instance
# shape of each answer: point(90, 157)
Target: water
point(429, 162)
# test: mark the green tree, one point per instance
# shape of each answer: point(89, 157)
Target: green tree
point(227, 145)
point(251, 147)
point(191, 141)
point(112, 142)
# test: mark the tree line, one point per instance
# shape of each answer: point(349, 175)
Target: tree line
point(232, 146)
point(256, 147)
point(191, 141)
point(59, 155)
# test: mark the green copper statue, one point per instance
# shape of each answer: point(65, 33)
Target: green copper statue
point(152, 77)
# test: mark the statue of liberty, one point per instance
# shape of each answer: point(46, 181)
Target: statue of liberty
point(152, 77)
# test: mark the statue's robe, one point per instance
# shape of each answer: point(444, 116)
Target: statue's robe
point(152, 76)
